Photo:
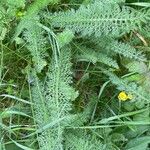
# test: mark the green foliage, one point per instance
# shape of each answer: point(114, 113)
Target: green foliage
point(53, 101)
point(126, 50)
point(139, 93)
point(138, 143)
point(91, 19)
point(12, 6)
point(8, 10)
point(74, 75)
point(65, 38)
point(85, 141)
point(31, 12)
point(36, 44)
point(90, 55)
point(37, 6)
point(111, 46)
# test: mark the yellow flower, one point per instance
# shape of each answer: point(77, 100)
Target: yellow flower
point(123, 96)
point(20, 14)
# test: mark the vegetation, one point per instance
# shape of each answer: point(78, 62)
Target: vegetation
point(74, 75)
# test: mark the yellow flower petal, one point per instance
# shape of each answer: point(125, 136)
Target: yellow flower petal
point(123, 96)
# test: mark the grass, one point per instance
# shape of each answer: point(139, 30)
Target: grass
point(119, 125)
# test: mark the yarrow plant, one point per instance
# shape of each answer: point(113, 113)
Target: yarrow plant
point(74, 75)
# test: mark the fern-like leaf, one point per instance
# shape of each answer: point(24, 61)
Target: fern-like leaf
point(32, 11)
point(90, 55)
point(126, 50)
point(130, 87)
point(36, 44)
point(100, 19)
point(53, 101)
point(112, 47)
point(82, 141)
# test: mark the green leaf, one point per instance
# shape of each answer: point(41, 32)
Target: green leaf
point(12, 146)
point(15, 98)
point(91, 20)
point(140, 143)
point(65, 38)
point(22, 146)
point(142, 4)
point(8, 113)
